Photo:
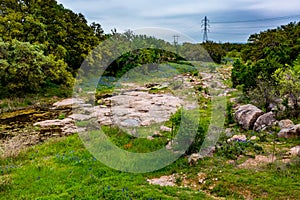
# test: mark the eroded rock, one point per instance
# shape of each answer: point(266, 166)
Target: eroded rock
point(285, 124)
point(63, 127)
point(166, 129)
point(80, 117)
point(264, 121)
point(163, 181)
point(291, 132)
point(247, 115)
point(239, 138)
point(67, 104)
point(295, 151)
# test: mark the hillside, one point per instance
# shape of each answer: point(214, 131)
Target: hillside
point(88, 115)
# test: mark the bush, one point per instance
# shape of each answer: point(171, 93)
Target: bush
point(25, 69)
point(189, 124)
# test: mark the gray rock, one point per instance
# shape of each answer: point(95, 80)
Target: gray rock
point(253, 138)
point(163, 181)
point(291, 132)
point(150, 138)
point(295, 151)
point(80, 117)
point(229, 132)
point(63, 127)
point(147, 122)
point(241, 138)
point(67, 103)
point(247, 115)
point(285, 124)
point(166, 129)
point(130, 123)
point(54, 123)
point(264, 121)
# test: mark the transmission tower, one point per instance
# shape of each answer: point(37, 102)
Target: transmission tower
point(205, 26)
point(176, 42)
point(176, 39)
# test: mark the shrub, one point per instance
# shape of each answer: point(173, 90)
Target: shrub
point(24, 68)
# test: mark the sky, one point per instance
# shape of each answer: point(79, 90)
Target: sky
point(184, 17)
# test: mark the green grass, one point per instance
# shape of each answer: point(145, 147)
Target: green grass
point(64, 169)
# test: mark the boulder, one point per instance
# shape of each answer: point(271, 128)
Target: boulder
point(193, 159)
point(165, 129)
point(163, 181)
point(150, 138)
point(264, 121)
point(57, 127)
point(247, 115)
point(291, 132)
point(285, 124)
point(67, 104)
point(229, 132)
point(204, 152)
point(254, 138)
point(240, 138)
point(295, 151)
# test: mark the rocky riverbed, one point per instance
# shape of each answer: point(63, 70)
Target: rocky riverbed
point(132, 106)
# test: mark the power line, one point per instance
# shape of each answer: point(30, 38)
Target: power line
point(256, 20)
point(226, 33)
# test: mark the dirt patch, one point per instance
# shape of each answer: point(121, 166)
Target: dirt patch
point(259, 160)
point(164, 180)
point(13, 146)
point(181, 180)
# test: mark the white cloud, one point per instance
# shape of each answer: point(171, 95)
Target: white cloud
point(278, 6)
point(184, 16)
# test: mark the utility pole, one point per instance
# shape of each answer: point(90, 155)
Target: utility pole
point(205, 26)
point(176, 42)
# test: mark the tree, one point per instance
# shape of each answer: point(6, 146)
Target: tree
point(266, 73)
point(215, 51)
point(25, 69)
point(289, 85)
point(46, 22)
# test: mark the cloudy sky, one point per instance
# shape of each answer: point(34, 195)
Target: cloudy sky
point(249, 16)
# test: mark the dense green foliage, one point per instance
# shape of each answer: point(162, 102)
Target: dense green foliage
point(149, 57)
point(215, 51)
point(42, 45)
point(189, 122)
point(269, 66)
point(207, 52)
point(24, 68)
point(64, 33)
point(65, 39)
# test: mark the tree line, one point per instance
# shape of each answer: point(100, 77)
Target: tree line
point(269, 68)
point(42, 43)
